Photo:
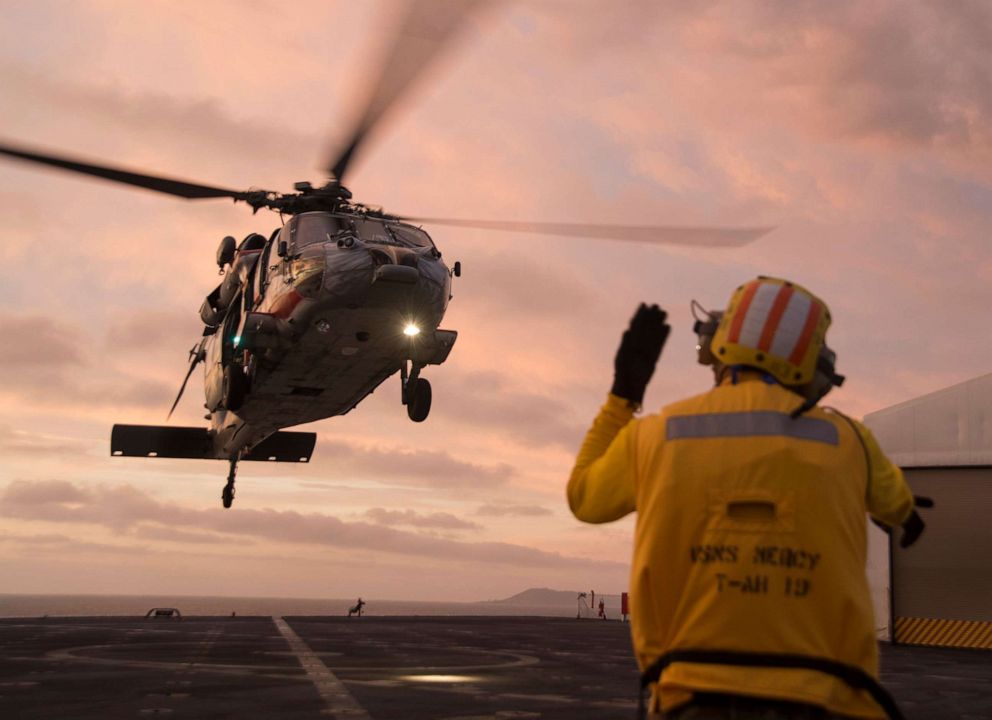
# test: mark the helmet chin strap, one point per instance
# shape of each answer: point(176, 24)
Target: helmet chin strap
point(808, 404)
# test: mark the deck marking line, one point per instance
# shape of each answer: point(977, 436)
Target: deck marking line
point(331, 690)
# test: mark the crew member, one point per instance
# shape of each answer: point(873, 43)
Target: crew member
point(748, 590)
point(357, 608)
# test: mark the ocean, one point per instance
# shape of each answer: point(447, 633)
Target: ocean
point(131, 605)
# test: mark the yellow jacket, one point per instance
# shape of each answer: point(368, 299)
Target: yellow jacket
point(751, 536)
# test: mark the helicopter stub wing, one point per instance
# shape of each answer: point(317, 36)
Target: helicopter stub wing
point(194, 443)
point(284, 446)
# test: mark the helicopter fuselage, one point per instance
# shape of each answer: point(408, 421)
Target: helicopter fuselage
point(308, 323)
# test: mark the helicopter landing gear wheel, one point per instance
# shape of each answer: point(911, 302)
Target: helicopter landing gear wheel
point(418, 404)
point(234, 388)
point(227, 496)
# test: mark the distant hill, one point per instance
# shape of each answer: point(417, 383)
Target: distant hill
point(540, 596)
point(546, 596)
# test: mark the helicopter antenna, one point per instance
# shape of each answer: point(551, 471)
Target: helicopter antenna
point(196, 354)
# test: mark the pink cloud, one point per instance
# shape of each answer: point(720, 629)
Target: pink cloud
point(33, 340)
point(512, 510)
point(411, 518)
point(15, 442)
point(122, 508)
point(420, 467)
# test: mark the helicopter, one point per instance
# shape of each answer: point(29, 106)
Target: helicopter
point(311, 318)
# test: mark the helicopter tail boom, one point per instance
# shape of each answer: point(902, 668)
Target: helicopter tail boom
point(197, 444)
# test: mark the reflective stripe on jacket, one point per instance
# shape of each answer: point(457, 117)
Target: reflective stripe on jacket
point(751, 535)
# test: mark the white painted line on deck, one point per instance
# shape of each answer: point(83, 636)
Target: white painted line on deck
point(339, 701)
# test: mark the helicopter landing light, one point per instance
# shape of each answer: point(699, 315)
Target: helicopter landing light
point(411, 330)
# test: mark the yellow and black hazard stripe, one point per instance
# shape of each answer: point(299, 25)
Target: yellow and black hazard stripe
point(948, 633)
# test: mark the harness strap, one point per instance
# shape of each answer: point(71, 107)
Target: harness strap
point(855, 677)
point(864, 447)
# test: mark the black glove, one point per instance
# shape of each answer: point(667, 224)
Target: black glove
point(639, 351)
point(914, 525)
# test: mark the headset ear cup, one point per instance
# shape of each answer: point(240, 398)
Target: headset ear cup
point(825, 378)
point(704, 351)
point(705, 330)
point(826, 364)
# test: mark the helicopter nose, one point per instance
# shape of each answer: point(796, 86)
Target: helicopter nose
point(395, 256)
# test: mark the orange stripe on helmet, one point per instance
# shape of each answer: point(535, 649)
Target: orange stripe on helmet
point(775, 317)
point(735, 327)
point(802, 344)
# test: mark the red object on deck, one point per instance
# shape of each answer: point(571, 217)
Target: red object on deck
point(624, 604)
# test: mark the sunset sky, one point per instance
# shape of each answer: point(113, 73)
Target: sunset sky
point(860, 130)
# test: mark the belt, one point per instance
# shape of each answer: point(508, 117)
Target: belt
point(855, 677)
point(783, 709)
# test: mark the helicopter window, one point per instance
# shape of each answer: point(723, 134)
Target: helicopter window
point(315, 228)
point(374, 231)
point(409, 235)
point(254, 241)
point(249, 291)
point(262, 269)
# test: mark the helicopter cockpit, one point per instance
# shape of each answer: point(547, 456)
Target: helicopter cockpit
point(311, 229)
point(413, 236)
point(315, 228)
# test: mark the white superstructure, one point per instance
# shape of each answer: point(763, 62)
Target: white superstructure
point(950, 428)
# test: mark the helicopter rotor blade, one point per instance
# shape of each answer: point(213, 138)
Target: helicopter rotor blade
point(661, 234)
point(180, 188)
point(196, 355)
point(426, 30)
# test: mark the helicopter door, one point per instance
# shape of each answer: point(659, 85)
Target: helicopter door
point(221, 354)
point(249, 291)
point(262, 272)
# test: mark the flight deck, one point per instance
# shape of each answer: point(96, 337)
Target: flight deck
point(379, 668)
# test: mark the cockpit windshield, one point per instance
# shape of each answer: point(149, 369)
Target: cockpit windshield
point(410, 235)
point(311, 228)
point(321, 227)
